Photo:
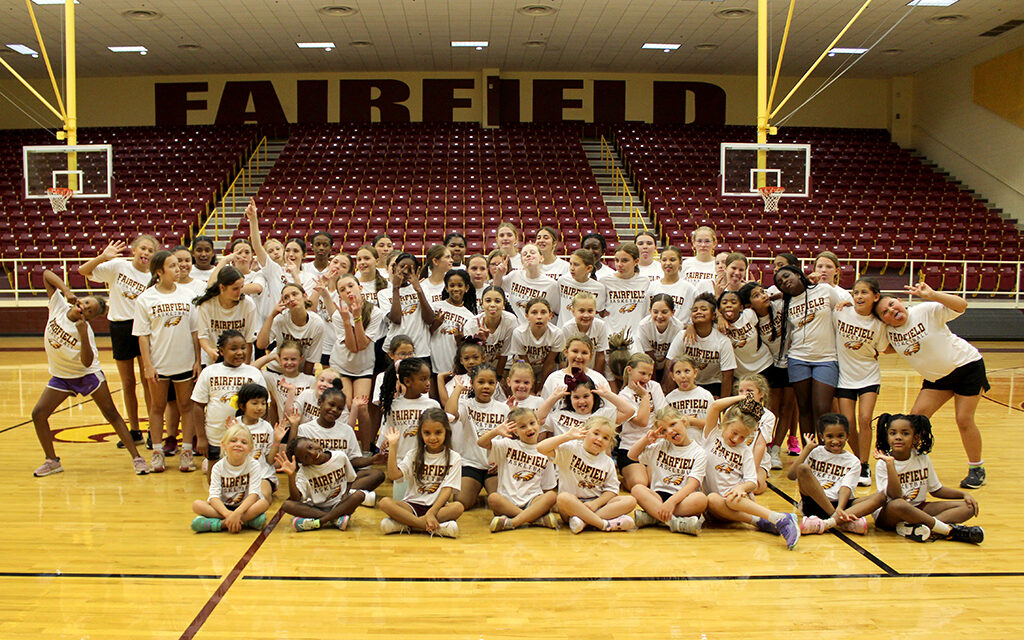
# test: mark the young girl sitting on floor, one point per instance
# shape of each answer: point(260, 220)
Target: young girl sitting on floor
point(235, 483)
point(477, 414)
point(318, 486)
point(521, 382)
point(266, 440)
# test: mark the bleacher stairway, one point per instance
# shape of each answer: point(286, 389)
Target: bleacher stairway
point(617, 203)
point(233, 208)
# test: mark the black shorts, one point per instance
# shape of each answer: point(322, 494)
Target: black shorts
point(354, 378)
point(965, 380)
point(124, 344)
point(812, 508)
point(777, 377)
point(853, 394)
point(212, 454)
point(325, 359)
point(714, 388)
point(622, 459)
point(664, 495)
point(184, 376)
point(480, 475)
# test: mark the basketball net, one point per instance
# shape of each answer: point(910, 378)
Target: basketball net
point(771, 197)
point(59, 197)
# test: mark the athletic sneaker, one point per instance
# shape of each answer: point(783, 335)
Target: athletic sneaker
point(975, 478)
point(139, 463)
point(773, 452)
point(305, 524)
point(865, 475)
point(622, 523)
point(149, 441)
point(644, 519)
point(499, 523)
point(767, 526)
point(811, 525)
point(136, 437)
point(858, 526)
point(686, 524)
point(156, 462)
point(258, 522)
point(202, 525)
point(342, 522)
point(915, 532)
point(962, 533)
point(369, 498)
point(576, 524)
point(548, 520)
point(387, 525)
point(794, 445)
point(448, 529)
point(185, 461)
point(789, 529)
point(50, 466)
point(170, 447)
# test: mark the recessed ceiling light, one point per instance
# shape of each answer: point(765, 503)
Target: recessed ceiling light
point(337, 10)
point(189, 46)
point(537, 10)
point(133, 49)
point(326, 46)
point(931, 3)
point(706, 46)
point(23, 50)
point(734, 14)
point(947, 19)
point(664, 46)
point(853, 51)
point(141, 14)
point(535, 44)
point(361, 43)
point(477, 44)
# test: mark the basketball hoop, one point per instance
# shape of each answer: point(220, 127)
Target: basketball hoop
point(59, 197)
point(771, 197)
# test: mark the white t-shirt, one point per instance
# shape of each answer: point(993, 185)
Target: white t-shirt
point(629, 433)
point(197, 287)
point(598, 333)
point(928, 344)
point(628, 302)
point(603, 270)
point(215, 320)
point(309, 270)
point(432, 292)
point(743, 335)
point(523, 474)
point(369, 290)
point(917, 477)
point(476, 419)
point(436, 476)
point(412, 323)
point(653, 271)
point(649, 338)
point(561, 420)
point(584, 474)
point(671, 466)
point(202, 275)
point(169, 319)
point(557, 379)
point(682, 293)
point(696, 272)
point(272, 277)
point(62, 343)
point(309, 286)
point(310, 336)
point(859, 340)
point(529, 402)
point(499, 341)
point(811, 335)
point(712, 353)
point(232, 484)
point(359, 363)
point(520, 289)
point(727, 466)
point(278, 393)
point(765, 429)
point(834, 471)
point(534, 350)
point(442, 342)
point(340, 437)
point(556, 269)
point(325, 485)
point(765, 325)
point(568, 287)
point(126, 284)
point(694, 402)
point(405, 416)
point(214, 388)
point(263, 442)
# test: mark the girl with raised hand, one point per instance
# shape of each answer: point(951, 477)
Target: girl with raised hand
point(584, 320)
point(456, 243)
point(588, 489)
point(647, 266)
point(168, 329)
point(453, 319)
point(691, 401)
point(357, 325)
point(436, 264)
point(236, 480)
point(223, 307)
point(646, 399)
point(298, 325)
point(576, 401)
point(547, 240)
point(680, 290)
point(431, 470)
point(538, 341)
point(579, 352)
point(700, 269)
point(656, 331)
point(74, 365)
point(506, 238)
point(476, 415)
point(528, 283)
point(406, 306)
point(369, 278)
point(319, 486)
point(126, 281)
point(400, 407)
point(733, 276)
point(711, 350)
point(951, 367)
point(494, 326)
point(580, 278)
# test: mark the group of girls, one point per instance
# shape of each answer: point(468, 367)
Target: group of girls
point(465, 361)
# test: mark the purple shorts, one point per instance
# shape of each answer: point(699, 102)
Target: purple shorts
point(85, 385)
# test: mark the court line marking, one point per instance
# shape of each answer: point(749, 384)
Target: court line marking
point(842, 536)
point(29, 421)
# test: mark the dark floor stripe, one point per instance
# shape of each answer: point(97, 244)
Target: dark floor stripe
point(29, 421)
point(842, 536)
point(117, 576)
point(211, 604)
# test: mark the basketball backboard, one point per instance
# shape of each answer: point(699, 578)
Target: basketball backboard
point(86, 169)
point(780, 165)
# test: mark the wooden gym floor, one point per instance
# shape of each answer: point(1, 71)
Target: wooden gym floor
point(96, 552)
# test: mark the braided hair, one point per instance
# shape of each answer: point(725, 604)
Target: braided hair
point(921, 425)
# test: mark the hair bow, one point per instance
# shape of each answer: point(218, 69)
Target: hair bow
point(473, 340)
point(574, 378)
point(752, 408)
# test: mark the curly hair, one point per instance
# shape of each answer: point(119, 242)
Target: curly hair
point(921, 425)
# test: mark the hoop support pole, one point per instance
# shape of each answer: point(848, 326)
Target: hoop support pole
point(32, 89)
point(824, 53)
point(71, 122)
point(782, 51)
point(46, 57)
point(762, 86)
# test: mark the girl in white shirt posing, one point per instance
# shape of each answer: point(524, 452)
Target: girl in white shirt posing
point(298, 325)
point(627, 291)
point(547, 240)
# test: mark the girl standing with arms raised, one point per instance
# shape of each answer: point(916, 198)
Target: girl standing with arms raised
point(406, 306)
point(528, 283)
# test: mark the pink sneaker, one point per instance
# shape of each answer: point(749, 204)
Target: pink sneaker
point(812, 524)
point(858, 526)
point(622, 523)
point(50, 466)
point(793, 443)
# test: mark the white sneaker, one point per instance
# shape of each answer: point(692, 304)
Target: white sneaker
point(449, 529)
point(915, 532)
point(686, 524)
point(644, 519)
point(865, 476)
point(369, 499)
point(776, 460)
point(387, 525)
point(621, 523)
point(576, 524)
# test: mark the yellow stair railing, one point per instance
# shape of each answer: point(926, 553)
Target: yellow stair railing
point(636, 216)
point(243, 180)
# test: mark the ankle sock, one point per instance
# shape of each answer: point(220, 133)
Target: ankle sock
point(941, 528)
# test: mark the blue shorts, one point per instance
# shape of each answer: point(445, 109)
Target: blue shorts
point(824, 372)
point(85, 385)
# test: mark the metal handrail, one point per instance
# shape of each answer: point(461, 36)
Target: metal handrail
point(218, 217)
point(636, 217)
